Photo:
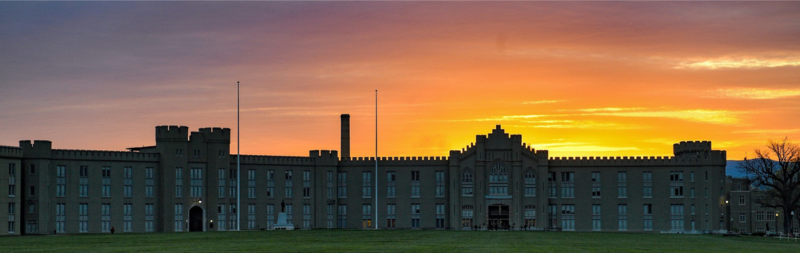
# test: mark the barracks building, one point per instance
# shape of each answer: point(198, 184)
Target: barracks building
point(188, 181)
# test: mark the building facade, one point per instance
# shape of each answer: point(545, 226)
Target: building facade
point(189, 182)
point(747, 216)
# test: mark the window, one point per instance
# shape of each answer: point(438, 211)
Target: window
point(329, 185)
point(106, 181)
point(270, 215)
point(148, 182)
point(33, 168)
point(148, 217)
point(691, 176)
point(12, 209)
point(221, 217)
point(251, 216)
point(31, 208)
point(498, 179)
point(706, 193)
point(12, 181)
point(289, 214)
point(106, 217)
point(251, 183)
point(391, 215)
point(178, 152)
point(391, 187)
point(221, 190)
point(466, 183)
point(32, 227)
point(306, 184)
point(467, 217)
point(770, 215)
point(342, 185)
point(676, 184)
point(232, 221)
point(530, 183)
point(552, 215)
point(366, 216)
point(742, 218)
point(741, 200)
point(622, 184)
point(415, 184)
point(648, 217)
point(342, 221)
point(179, 217)
point(83, 217)
point(127, 217)
point(196, 153)
point(691, 192)
point(60, 217)
point(530, 216)
point(33, 191)
point(233, 183)
point(596, 217)
point(221, 153)
point(288, 184)
point(306, 216)
point(440, 216)
point(676, 217)
point(439, 183)
point(595, 184)
point(568, 217)
point(551, 184)
point(127, 188)
point(623, 217)
point(692, 209)
point(330, 214)
point(567, 184)
point(83, 188)
point(415, 213)
point(759, 216)
point(366, 185)
point(197, 182)
point(270, 183)
point(647, 182)
point(179, 182)
point(61, 181)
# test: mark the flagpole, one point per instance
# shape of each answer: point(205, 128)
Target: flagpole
point(376, 159)
point(238, 164)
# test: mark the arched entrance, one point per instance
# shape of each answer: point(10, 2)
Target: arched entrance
point(196, 219)
point(499, 216)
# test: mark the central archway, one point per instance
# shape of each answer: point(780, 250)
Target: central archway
point(196, 219)
point(499, 216)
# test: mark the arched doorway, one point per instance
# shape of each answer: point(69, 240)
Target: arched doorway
point(196, 219)
point(499, 216)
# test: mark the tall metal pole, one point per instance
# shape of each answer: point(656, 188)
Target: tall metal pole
point(376, 159)
point(238, 164)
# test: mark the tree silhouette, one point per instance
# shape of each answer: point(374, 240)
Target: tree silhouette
point(777, 169)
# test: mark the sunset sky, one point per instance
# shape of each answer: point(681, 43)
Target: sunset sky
point(575, 78)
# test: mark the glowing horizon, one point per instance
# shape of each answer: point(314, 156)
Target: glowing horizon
point(574, 78)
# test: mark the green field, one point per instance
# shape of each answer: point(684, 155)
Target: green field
point(395, 241)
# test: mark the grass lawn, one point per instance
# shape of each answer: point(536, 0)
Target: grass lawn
point(395, 241)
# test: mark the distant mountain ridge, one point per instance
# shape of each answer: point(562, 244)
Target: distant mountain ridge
point(732, 169)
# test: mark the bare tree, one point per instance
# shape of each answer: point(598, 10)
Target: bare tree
point(777, 169)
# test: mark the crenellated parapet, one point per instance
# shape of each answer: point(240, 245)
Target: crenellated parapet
point(212, 135)
point(719, 159)
point(691, 147)
point(274, 160)
point(172, 133)
point(103, 155)
point(11, 152)
point(397, 161)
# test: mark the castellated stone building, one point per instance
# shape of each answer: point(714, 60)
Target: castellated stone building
point(188, 181)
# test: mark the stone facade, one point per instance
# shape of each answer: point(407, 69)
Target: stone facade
point(188, 182)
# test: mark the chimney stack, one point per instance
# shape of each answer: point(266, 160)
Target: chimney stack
point(345, 150)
